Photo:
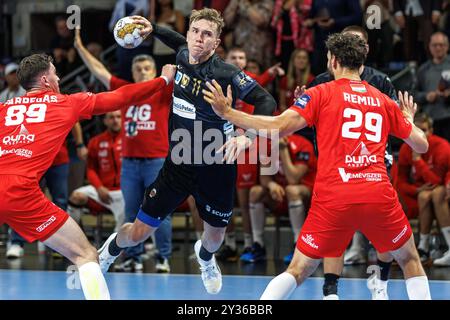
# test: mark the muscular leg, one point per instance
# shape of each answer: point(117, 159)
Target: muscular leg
point(71, 242)
point(282, 286)
point(416, 279)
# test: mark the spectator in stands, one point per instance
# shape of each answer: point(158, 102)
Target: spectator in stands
point(298, 74)
point(289, 190)
point(247, 174)
point(433, 85)
point(251, 31)
point(94, 85)
point(103, 173)
point(420, 184)
point(13, 88)
point(145, 145)
point(417, 19)
point(291, 32)
point(165, 15)
point(327, 17)
point(64, 54)
point(253, 66)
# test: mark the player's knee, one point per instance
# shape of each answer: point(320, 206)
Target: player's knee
point(424, 197)
point(293, 192)
point(438, 195)
point(78, 198)
point(256, 194)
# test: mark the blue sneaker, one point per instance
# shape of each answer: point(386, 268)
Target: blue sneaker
point(256, 254)
point(288, 258)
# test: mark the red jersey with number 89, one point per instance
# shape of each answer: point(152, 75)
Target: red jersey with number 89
point(34, 127)
point(353, 121)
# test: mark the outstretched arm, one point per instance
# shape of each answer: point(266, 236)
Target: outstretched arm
point(286, 123)
point(94, 66)
point(129, 94)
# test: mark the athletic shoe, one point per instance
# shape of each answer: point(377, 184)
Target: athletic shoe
point(104, 257)
point(227, 254)
point(130, 265)
point(14, 251)
point(211, 275)
point(354, 256)
point(162, 265)
point(256, 254)
point(424, 255)
point(331, 297)
point(444, 261)
point(377, 287)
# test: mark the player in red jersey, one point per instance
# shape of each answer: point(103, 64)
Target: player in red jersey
point(352, 189)
point(47, 116)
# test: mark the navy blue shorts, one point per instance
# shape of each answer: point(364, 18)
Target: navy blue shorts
point(212, 186)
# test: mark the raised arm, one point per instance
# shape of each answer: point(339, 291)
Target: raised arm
point(94, 66)
point(169, 37)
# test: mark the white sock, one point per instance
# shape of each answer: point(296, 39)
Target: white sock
point(258, 219)
point(296, 216)
point(358, 241)
point(446, 232)
point(230, 240)
point(418, 288)
point(248, 240)
point(92, 281)
point(424, 242)
point(75, 213)
point(280, 287)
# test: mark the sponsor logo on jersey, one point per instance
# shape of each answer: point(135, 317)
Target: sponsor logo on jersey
point(23, 137)
point(152, 193)
point(46, 224)
point(302, 101)
point(368, 176)
point(103, 153)
point(309, 240)
point(183, 108)
point(103, 144)
point(243, 81)
point(246, 176)
point(18, 152)
point(228, 128)
point(400, 235)
point(360, 157)
point(178, 77)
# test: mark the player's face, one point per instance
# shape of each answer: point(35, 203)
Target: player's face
point(331, 63)
point(238, 58)
point(112, 121)
point(143, 71)
point(50, 79)
point(202, 39)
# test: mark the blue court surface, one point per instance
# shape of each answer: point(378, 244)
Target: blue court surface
point(54, 285)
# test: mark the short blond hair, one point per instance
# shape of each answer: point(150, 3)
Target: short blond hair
point(209, 15)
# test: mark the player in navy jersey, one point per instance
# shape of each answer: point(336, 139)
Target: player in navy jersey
point(187, 170)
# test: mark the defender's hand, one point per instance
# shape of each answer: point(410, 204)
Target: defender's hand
point(299, 91)
point(169, 71)
point(407, 105)
point(220, 103)
point(234, 147)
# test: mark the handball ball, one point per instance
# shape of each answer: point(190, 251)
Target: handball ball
point(127, 34)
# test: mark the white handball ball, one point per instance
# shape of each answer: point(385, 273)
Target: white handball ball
point(127, 34)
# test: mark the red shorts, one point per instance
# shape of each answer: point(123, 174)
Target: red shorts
point(24, 207)
point(328, 229)
point(247, 176)
point(410, 205)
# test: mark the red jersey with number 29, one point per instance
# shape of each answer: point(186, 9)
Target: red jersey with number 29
point(353, 121)
point(34, 127)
